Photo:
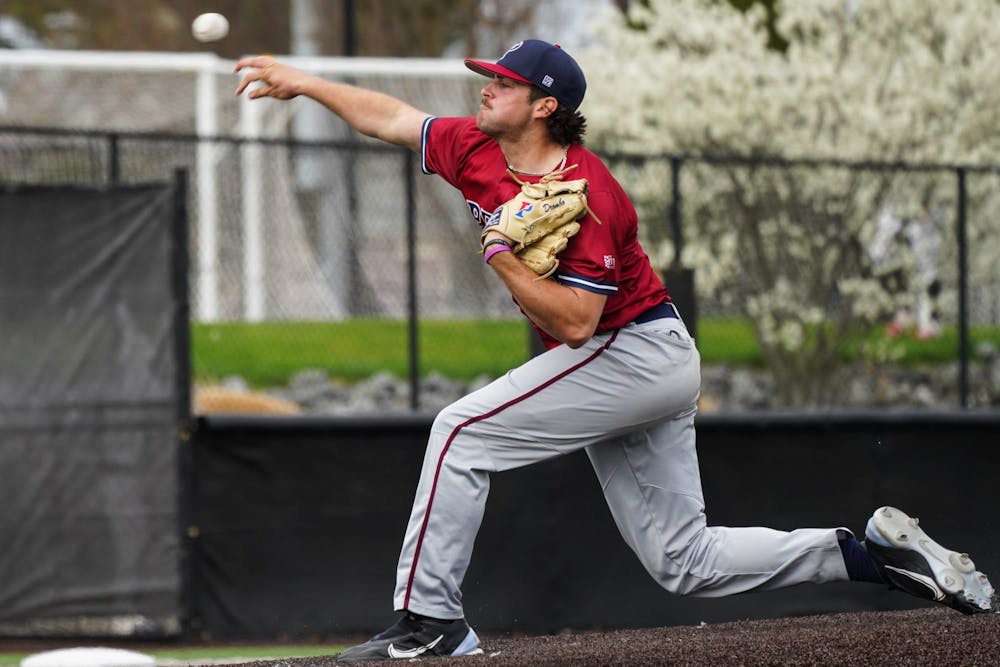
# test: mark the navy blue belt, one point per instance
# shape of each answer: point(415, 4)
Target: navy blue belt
point(658, 313)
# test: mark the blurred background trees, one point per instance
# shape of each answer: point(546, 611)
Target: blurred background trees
point(893, 80)
point(425, 28)
point(391, 28)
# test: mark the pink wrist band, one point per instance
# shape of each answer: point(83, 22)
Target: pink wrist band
point(498, 247)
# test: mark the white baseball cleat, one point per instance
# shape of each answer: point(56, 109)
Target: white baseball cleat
point(908, 559)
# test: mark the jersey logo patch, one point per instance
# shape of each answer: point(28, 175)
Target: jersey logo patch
point(609, 261)
point(479, 214)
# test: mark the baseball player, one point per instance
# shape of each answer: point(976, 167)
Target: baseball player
point(620, 378)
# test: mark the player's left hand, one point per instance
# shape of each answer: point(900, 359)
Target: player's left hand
point(542, 256)
point(539, 220)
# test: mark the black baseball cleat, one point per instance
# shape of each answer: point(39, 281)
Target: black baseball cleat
point(416, 637)
point(908, 559)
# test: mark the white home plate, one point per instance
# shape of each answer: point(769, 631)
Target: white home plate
point(89, 657)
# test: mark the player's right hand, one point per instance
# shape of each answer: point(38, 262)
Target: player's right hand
point(276, 80)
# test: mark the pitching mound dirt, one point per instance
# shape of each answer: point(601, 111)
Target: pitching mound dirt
point(936, 636)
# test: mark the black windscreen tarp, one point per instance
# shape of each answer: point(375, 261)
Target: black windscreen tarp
point(92, 371)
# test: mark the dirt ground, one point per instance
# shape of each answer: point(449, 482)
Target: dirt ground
point(934, 636)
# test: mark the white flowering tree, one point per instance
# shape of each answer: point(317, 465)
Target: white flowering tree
point(892, 80)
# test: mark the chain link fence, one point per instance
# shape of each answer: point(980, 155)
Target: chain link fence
point(332, 245)
point(296, 231)
point(295, 218)
point(869, 284)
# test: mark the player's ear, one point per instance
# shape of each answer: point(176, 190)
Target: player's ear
point(545, 107)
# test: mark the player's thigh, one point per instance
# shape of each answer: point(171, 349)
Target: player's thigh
point(652, 484)
point(567, 399)
point(660, 457)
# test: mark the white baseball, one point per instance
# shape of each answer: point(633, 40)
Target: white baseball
point(210, 27)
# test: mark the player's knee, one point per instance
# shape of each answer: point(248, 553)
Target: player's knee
point(448, 429)
point(688, 568)
point(447, 421)
point(682, 583)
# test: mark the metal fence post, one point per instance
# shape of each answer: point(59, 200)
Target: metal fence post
point(675, 208)
point(963, 293)
point(114, 160)
point(180, 269)
point(182, 349)
point(679, 279)
point(411, 278)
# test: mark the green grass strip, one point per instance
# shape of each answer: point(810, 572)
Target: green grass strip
point(269, 353)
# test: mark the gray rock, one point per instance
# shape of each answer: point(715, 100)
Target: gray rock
point(726, 389)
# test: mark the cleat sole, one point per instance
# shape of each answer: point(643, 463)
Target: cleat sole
point(962, 563)
point(953, 572)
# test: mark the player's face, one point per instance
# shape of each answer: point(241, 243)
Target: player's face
point(505, 108)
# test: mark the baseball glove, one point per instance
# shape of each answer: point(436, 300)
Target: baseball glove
point(540, 220)
point(541, 256)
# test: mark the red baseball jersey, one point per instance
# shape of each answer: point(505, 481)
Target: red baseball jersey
point(605, 258)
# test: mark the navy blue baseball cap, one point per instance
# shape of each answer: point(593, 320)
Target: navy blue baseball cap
point(540, 64)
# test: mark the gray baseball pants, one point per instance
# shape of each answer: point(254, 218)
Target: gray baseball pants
point(629, 399)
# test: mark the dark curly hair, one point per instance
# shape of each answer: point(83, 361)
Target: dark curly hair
point(566, 126)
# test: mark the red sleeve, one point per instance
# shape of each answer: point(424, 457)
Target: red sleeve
point(444, 143)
